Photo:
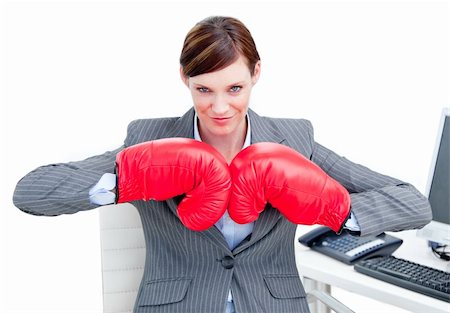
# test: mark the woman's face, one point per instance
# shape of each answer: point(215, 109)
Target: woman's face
point(221, 98)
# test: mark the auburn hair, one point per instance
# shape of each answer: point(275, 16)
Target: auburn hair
point(216, 42)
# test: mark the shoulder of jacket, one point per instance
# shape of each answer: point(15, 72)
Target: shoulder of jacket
point(150, 122)
point(148, 129)
point(291, 122)
point(298, 133)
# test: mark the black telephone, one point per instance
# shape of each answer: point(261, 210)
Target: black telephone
point(347, 248)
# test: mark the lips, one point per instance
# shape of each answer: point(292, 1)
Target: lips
point(221, 120)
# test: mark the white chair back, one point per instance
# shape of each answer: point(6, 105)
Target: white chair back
point(123, 256)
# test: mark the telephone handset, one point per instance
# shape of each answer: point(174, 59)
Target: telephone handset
point(347, 248)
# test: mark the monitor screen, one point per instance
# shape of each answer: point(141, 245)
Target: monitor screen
point(438, 186)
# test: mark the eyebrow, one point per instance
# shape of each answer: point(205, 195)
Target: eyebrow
point(231, 85)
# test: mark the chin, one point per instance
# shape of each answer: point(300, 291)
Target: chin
point(222, 132)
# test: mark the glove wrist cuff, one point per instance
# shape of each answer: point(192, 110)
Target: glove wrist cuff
point(345, 221)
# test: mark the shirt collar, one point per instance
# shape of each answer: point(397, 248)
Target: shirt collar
point(247, 136)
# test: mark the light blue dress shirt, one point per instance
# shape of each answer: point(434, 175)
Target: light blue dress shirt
point(233, 232)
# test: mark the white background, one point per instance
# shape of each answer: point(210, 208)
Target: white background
point(372, 76)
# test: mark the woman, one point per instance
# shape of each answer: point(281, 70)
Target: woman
point(198, 259)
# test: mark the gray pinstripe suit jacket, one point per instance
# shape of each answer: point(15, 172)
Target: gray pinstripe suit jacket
point(190, 271)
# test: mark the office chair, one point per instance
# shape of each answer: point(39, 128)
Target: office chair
point(123, 260)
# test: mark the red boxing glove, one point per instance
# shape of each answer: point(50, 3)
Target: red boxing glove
point(298, 188)
point(164, 168)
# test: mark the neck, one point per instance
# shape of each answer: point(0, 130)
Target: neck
point(228, 145)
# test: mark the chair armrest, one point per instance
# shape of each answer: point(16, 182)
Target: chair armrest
point(329, 301)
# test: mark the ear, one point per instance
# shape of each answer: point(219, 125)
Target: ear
point(256, 72)
point(184, 78)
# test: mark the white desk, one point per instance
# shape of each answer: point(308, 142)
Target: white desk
point(324, 272)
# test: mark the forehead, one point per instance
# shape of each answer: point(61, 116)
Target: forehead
point(237, 71)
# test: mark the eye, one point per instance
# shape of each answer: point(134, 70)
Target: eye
point(202, 89)
point(235, 88)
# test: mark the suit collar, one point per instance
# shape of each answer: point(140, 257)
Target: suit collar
point(184, 126)
point(263, 129)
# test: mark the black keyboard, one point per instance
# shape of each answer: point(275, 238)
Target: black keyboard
point(409, 275)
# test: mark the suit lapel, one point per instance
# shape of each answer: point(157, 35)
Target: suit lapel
point(213, 234)
point(217, 238)
point(265, 222)
point(262, 130)
point(184, 127)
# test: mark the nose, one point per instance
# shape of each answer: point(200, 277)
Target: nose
point(219, 105)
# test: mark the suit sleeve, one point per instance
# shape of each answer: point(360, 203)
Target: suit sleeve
point(62, 188)
point(379, 202)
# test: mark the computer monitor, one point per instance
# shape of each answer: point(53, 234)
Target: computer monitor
point(438, 188)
